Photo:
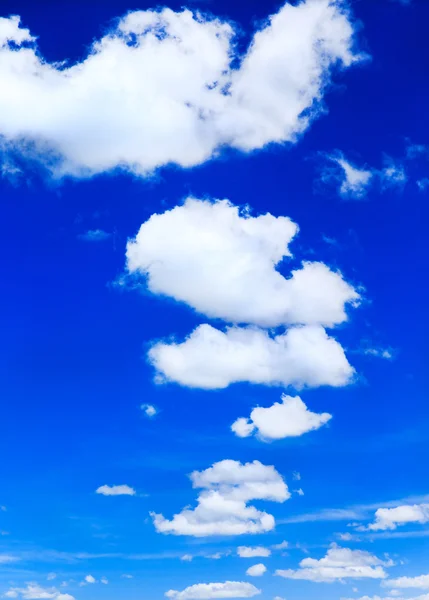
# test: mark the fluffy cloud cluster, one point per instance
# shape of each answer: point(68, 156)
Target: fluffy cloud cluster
point(213, 359)
point(290, 418)
point(339, 563)
point(116, 490)
point(34, 591)
point(159, 77)
point(206, 591)
point(223, 264)
point(390, 518)
point(223, 506)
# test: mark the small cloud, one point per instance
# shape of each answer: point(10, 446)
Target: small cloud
point(392, 176)
point(256, 570)
point(149, 410)
point(423, 184)
point(330, 240)
point(104, 580)
point(51, 576)
point(416, 150)
point(296, 476)
point(88, 580)
point(126, 576)
point(116, 490)
point(282, 546)
point(187, 557)
point(300, 492)
point(218, 555)
point(353, 181)
point(386, 353)
point(94, 235)
point(290, 418)
point(345, 537)
point(252, 552)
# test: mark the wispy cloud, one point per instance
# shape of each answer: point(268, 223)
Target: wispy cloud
point(95, 235)
point(356, 512)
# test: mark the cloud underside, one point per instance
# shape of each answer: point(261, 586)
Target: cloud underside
point(159, 77)
point(223, 506)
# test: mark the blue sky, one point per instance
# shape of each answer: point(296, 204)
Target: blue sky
point(136, 348)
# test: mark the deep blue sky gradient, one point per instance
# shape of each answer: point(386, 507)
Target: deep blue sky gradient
point(72, 366)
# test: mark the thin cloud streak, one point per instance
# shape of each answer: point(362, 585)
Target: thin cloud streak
point(357, 512)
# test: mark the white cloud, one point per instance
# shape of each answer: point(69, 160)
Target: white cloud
point(213, 359)
point(386, 353)
point(95, 235)
point(33, 591)
point(90, 579)
point(159, 77)
point(104, 580)
point(339, 563)
point(252, 552)
point(390, 518)
point(392, 176)
point(116, 490)
point(355, 182)
point(222, 262)
point(296, 476)
point(299, 491)
point(126, 576)
point(256, 570)
point(187, 557)
point(419, 582)
point(223, 505)
point(149, 410)
point(291, 418)
point(206, 591)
